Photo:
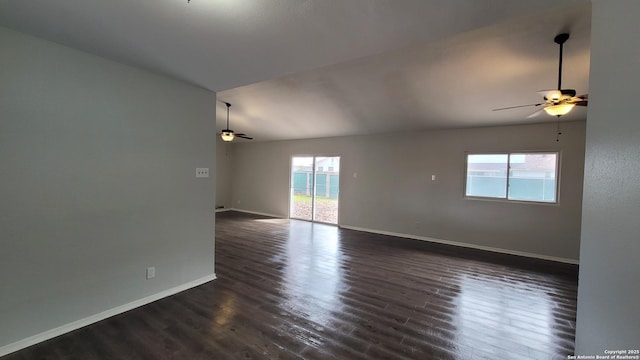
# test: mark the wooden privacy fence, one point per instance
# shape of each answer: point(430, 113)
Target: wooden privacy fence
point(326, 183)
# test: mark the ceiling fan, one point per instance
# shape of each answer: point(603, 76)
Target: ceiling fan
point(228, 134)
point(560, 101)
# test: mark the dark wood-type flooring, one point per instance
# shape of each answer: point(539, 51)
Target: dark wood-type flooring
point(297, 290)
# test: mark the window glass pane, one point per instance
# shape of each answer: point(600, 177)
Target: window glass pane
point(487, 175)
point(532, 177)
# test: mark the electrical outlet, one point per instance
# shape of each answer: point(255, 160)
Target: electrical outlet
point(151, 272)
point(202, 172)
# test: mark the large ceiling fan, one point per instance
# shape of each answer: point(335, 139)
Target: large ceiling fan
point(228, 134)
point(560, 101)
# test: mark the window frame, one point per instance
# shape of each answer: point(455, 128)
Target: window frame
point(506, 197)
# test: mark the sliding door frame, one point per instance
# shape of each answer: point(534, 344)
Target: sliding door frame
point(313, 187)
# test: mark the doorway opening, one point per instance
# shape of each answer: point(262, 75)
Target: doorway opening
point(315, 188)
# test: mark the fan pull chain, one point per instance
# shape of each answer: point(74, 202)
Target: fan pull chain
point(558, 133)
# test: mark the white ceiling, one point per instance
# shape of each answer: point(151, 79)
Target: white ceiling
point(315, 68)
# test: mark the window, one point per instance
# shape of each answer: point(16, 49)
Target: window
point(513, 176)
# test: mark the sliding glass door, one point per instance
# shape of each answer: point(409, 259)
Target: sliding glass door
point(315, 188)
point(301, 188)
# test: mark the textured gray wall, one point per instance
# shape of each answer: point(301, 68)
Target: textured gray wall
point(393, 190)
point(97, 171)
point(609, 290)
point(223, 173)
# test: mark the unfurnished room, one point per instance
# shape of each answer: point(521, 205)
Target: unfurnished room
point(319, 179)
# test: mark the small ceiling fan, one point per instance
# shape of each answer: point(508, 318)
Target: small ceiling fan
point(228, 134)
point(560, 101)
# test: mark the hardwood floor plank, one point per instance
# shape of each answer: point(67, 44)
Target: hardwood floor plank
point(297, 290)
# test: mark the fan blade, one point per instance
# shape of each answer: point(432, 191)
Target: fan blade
point(515, 107)
point(536, 113)
point(581, 100)
point(243, 136)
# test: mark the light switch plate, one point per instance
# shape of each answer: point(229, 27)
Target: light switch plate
point(202, 172)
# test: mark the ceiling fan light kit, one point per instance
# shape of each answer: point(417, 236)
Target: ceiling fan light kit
point(228, 134)
point(559, 110)
point(554, 95)
point(557, 102)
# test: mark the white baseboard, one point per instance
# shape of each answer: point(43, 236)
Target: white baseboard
point(223, 210)
point(49, 334)
point(257, 213)
point(466, 245)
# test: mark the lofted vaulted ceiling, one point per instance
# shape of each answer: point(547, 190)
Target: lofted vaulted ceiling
point(315, 68)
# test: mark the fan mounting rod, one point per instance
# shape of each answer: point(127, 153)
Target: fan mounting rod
point(560, 39)
point(228, 106)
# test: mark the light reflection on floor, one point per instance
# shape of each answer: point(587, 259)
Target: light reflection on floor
point(227, 311)
point(491, 312)
point(315, 296)
point(273, 221)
